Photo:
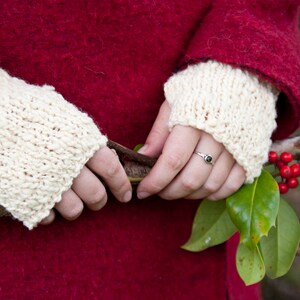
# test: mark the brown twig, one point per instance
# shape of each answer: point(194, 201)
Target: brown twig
point(136, 165)
point(126, 154)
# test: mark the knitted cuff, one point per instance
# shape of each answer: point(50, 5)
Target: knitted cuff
point(45, 141)
point(232, 105)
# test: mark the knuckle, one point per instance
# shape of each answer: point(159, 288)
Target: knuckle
point(213, 198)
point(174, 161)
point(211, 186)
point(48, 220)
point(124, 184)
point(166, 196)
point(74, 211)
point(190, 183)
point(154, 186)
point(233, 186)
point(191, 197)
point(237, 181)
point(118, 193)
point(156, 132)
point(113, 169)
point(99, 205)
point(96, 195)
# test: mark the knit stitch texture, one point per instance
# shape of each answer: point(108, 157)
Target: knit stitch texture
point(232, 105)
point(45, 141)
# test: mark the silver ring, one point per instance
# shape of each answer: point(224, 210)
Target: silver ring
point(207, 158)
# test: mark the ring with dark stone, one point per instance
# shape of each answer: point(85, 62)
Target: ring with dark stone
point(207, 158)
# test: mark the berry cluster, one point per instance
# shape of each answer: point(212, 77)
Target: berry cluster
point(288, 173)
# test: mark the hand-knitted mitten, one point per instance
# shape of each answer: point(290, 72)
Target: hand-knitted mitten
point(45, 141)
point(232, 105)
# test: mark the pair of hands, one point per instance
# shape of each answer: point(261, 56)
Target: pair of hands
point(178, 172)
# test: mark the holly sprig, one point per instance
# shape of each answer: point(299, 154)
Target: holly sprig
point(268, 226)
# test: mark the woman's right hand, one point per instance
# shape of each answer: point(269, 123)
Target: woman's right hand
point(88, 190)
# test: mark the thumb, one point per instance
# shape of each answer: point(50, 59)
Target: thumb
point(158, 134)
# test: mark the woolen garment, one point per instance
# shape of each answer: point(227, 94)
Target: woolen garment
point(110, 59)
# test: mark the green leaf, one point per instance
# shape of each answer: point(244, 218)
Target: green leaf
point(138, 147)
point(253, 209)
point(249, 264)
point(280, 246)
point(212, 226)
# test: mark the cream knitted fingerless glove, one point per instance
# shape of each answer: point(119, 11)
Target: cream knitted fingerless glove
point(45, 141)
point(232, 105)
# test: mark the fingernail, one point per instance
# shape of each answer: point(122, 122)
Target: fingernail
point(127, 196)
point(143, 149)
point(142, 195)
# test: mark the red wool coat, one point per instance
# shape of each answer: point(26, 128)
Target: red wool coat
point(110, 58)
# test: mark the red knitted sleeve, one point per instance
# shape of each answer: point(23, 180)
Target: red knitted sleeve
point(261, 36)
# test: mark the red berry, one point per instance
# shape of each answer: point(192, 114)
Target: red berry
point(280, 164)
point(273, 156)
point(285, 172)
point(292, 182)
point(295, 170)
point(283, 188)
point(286, 157)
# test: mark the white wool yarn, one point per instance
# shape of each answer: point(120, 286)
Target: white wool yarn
point(232, 105)
point(44, 143)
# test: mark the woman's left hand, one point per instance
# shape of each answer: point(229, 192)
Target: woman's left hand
point(179, 172)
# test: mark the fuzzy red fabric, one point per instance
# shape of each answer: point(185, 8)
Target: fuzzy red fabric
point(111, 58)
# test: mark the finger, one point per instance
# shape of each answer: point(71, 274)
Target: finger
point(70, 206)
point(233, 182)
point(158, 134)
point(196, 171)
point(89, 189)
point(48, 220)
point(107, 165)
point(176, 153)
point(216, 178)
